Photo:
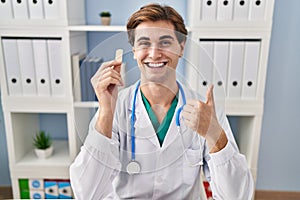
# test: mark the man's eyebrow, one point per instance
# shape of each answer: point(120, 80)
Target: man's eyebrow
point(143, 38)
point(166, 37)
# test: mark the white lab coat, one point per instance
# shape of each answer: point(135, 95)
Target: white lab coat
point(168, 172)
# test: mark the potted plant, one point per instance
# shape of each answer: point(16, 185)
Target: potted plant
point(43, 144)
point(105, 17)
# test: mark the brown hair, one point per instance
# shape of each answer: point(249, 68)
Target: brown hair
point(156, 12)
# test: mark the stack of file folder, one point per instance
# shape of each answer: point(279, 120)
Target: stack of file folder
point(34, 66)
point(231, 65)
point(233, 10)
point(29, 9)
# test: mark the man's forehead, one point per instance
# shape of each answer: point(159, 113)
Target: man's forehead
point(153, 33)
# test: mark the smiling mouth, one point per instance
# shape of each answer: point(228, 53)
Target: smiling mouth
point(156, 65)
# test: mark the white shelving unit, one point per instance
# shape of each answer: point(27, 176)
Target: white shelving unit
point(21, 113)
point(230, 21)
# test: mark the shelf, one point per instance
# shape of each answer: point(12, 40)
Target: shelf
point(97, 28)
point(87, 104)
point(60, 157)
point(243, 107)
point(56, 166)
point(36, 104)
point(233, 25)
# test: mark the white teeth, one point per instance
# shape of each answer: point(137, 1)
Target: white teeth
point(155, 64)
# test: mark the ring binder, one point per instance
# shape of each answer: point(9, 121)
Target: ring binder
point(12, 67)
point(27, 67)
point(55, 67)
point(6, 12)
point(41, 67)
point(36, 9)
point(20, 9)
point(236, 62)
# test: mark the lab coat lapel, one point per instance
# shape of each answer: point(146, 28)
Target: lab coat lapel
point(143, 126)
point(172, 131)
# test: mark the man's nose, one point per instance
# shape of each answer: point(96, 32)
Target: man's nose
point(155, 52)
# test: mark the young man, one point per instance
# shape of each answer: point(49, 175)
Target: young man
point(152, 139)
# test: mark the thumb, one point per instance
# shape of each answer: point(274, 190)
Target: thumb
point(210, 95)
point(118, 67)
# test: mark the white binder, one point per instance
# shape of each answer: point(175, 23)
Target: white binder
point(77, 59)
point(51, 8)
point(27, 67)
point(241, 9)
point(252, 51)
point(12, 67)
point(20, 9)
point(258, 8)
point(41, 67)
point(205, 65)
point(89, 71)
point(236, 62)
point(225, 10)
point(83, 79)
point(6, 10)
point(209, 9)
point(36, 9)
point(56, 68)
point(221, 54)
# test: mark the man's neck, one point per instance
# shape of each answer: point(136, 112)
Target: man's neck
point(160, 94)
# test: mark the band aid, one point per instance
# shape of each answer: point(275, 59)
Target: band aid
point(119, 54)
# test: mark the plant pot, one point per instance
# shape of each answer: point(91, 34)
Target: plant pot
point(44, 153)
point(105, 21)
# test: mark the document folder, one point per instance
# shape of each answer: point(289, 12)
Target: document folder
point(36, 9)
point(236, 62)
point(6, 11)
point(206, 65)
point(41, 67)
point(225, 10)
point(12, 67)
point(51, 9)
point(258, 8)
point(55, 67)
point(20, 9)
point(252, 51)
point(241, 9)
point(77, 60)
point(209, 9)
point(83, 79)
point(27, 67)
point(221, 54)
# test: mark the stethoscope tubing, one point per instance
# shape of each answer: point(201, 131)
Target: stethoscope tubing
point(132, 122)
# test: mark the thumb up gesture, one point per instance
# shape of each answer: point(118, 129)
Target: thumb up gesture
point(201, 117)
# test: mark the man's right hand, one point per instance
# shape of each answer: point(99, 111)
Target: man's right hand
point(105, 83)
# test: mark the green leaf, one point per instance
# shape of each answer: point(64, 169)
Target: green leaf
point(42, 140)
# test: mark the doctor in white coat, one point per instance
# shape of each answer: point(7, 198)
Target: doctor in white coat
point(151, 140)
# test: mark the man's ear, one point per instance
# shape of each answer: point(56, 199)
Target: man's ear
point(182, 45)
point(133, 51)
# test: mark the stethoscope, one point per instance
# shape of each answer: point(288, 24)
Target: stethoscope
point(134, 167)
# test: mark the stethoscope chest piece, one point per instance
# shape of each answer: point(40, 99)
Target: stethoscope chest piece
point(133, 167)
